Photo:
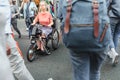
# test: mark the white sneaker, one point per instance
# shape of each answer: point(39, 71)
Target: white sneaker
point(50, 79)
point(115, 60)
point(26, 29)
point(110, 55)
point(113, 55)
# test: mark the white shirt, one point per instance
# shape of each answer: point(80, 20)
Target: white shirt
point(32, 5)
point(31, 13)
point(8, 22)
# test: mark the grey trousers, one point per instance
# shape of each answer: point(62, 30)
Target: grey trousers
point(16, 61)
point(6, 73)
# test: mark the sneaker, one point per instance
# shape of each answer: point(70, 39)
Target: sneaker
point(115, 60)
point(26, 29)
point(114, 56)
point(50, 79)
point(109, 54)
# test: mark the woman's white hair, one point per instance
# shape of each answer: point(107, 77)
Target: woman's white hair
point(43, 1)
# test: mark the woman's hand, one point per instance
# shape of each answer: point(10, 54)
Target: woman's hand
point(33, 24)
point(49, 25)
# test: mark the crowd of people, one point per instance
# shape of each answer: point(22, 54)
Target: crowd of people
point(43, 13)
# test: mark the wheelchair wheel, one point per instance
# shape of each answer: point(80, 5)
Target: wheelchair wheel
point(31, 53)
point(55, 39)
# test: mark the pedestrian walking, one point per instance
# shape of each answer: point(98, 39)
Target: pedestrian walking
point(16, 61)
point(14, 14)
point(86, 33)
point(114, 14)
point(30, 9)
point(6, 73)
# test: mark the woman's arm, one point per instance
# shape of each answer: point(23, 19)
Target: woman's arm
point(51, 20)
point(35, 20)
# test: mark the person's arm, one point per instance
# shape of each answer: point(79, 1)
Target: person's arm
point(22, 4)
point(35, 20)
point(51, 20)
point(17, 11)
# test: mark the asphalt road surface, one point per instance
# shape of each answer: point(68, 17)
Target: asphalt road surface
point(57, 65)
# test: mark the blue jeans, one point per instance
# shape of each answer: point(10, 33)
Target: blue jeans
point(28, 22)
point(115, 28)
point(86, 66)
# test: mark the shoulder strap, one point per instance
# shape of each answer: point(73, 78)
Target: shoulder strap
point(95, 14)
point(96, 17)
point(109, 6)
point(67, 20)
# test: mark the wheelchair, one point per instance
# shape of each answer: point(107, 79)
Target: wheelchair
point(50, 43)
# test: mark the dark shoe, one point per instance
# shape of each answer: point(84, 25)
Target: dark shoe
point(19, 36)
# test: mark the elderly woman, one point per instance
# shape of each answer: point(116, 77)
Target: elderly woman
point(44, 18)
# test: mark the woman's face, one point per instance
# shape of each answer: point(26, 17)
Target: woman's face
point(43, 6)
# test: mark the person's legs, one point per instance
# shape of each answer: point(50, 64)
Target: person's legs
point(81, 65)
point(112, 52)
point(96, 60)
point(14, 24)
point(27, 24)
point(30, 28)
point(16, 61)
point(116, 34)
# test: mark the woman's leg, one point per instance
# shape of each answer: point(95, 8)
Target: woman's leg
point(38, 44)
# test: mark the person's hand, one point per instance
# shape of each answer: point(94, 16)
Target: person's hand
point(13, 15)
point(33, 24)
point(49, 25)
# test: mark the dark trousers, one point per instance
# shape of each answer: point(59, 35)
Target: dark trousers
point(14, 24)
point(28, 21)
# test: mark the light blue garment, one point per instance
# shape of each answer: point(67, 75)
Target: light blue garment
point(114, 15)
point(86, 64)
point(31, 12)
point(82, 13)
point(115, 8)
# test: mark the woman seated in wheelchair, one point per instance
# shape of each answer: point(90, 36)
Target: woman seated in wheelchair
point(44, 18)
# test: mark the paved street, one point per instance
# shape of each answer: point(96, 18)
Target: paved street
point(57, 65)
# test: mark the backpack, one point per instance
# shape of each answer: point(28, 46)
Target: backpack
point(85, 25)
